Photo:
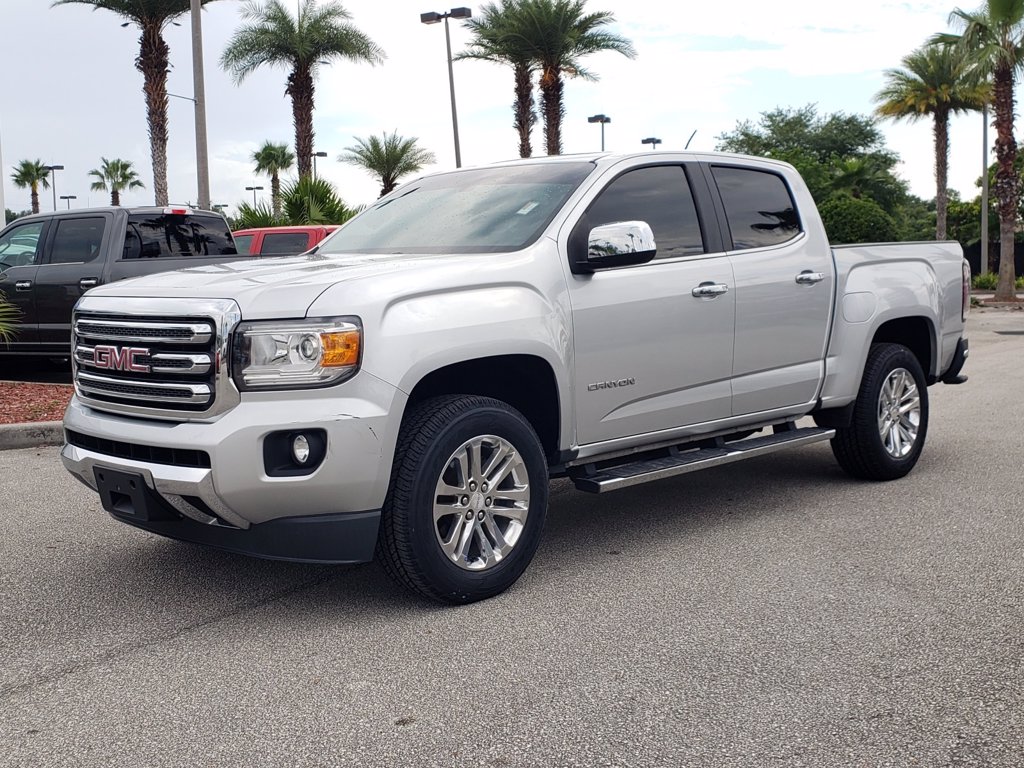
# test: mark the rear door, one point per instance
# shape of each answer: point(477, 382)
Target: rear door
point(20, 247)
point(73, 261)
point(649, 354)
point(783, 288)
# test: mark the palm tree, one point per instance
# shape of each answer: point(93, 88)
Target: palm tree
point(558, 35)
point(153, 61)
point(992, 39)
point(32, 174)
point(934, 81)
point(271, 159)
point(301, 45)
point(389, 158)
point(499, 34)
point(115, 175)
point(9, 315)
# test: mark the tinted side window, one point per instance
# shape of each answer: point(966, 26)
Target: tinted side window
point(758, 205)
point(178, 236)
point(244, 243)
point(660, 196)
point(77, 240)
point(284, 242)
point(19, 245)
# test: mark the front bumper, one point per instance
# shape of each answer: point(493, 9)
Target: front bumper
point(330, 515)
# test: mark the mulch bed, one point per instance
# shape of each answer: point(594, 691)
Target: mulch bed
point(20, 402)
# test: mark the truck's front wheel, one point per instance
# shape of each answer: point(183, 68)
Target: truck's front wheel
point(890, 417)
point(467, 500)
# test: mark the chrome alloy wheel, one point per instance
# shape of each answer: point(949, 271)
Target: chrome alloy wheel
point(481, 502)
point(899, 413)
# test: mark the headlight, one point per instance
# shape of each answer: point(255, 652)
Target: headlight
point(295, 354)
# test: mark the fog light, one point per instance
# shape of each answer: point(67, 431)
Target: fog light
point(300, 449)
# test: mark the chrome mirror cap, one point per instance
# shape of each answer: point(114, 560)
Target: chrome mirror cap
point(621, 243)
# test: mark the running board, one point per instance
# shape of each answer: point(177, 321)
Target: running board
point(678, 462)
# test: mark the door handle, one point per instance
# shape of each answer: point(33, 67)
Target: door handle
point(709, 290)
point(88, 282)
point(23, 285)
point(809, 278)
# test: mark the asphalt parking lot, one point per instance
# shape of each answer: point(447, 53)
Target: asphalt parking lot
point(771, 613)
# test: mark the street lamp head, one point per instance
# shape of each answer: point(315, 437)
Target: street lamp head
point(430, 18)
point(319, 154)
point(599, 119)
point(652, 141)
point(460, 13)
point(253, 189)
point(69, 197)
point(54, 167)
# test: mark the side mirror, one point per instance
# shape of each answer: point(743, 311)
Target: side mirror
point(620, 244)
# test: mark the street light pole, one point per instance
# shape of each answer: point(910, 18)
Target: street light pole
point(53, 181)
point(254, 190)
point(602, 119)
point(983, 257)
point(199, 89)
point(315, 156)
point(69, 198)
point(433, 18)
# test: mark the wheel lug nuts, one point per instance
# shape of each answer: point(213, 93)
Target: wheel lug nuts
point(480, 516)
point(487, 502)
point(484, 487)
point(469, 515)
point(472, 486)
point(464, 500)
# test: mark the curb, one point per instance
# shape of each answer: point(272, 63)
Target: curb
point(34, 435)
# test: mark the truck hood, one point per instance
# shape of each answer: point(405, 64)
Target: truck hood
point(276, 287)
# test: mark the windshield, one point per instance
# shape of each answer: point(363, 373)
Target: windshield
point(482, 210)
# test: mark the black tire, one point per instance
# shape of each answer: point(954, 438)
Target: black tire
point(408, 545)
point(859, 448)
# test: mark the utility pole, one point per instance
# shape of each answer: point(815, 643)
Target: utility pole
point(199, 91)
point(3, 221)
point(983, 256)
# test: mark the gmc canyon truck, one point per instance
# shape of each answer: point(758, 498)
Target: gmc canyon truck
point(409, 387)
point(49, 260)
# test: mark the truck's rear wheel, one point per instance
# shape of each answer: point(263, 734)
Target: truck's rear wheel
point(890, 417)
point(467, 500)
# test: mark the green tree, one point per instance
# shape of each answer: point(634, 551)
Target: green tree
point(301, 45)
point(868, 177)
point(849, 220)
point(558, 34)
point(389, 158)
point(305, 201)
point(116, 176)
point(31, 174)
point(153, 61)
point(271, 159)
point(934, 81)
point(10, 215)
point(992, 39)
point(9, 315)
point(499, 34)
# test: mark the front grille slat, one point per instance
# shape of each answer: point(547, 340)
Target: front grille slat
point(162, 363)
point(177, 457)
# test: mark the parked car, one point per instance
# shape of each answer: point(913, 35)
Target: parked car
point(412, 385)
point(49, 260)
point(280, 241)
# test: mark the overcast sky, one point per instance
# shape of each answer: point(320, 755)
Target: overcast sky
point(70, 94)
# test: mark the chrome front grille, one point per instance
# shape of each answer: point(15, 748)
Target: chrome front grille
point(154, 357)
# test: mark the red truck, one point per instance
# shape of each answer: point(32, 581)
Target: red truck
point(280, 241)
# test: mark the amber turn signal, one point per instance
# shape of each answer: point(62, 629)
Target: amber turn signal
point(340, 349)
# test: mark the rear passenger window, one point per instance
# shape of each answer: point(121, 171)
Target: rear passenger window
point(758, 206)
point(77, 240)
point(244, 243)
point(280, 243)
point(659, 195)
point(172, 235)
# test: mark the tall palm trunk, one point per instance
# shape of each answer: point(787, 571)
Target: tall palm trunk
point(115, 197)
point(35, 197)
point(1007, 184)
point(301, 88)
point(522, 107)
point(154, 62)
point(941, 171)
point(275, 193)
point(554, 110)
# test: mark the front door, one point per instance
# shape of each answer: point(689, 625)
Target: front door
point(20, 246)
point(649, 354)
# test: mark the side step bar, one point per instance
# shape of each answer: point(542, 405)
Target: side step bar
point(678, 460)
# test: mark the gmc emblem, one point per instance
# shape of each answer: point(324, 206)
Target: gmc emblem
point(120, 358)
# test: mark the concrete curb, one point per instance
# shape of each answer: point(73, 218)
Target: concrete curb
point(34, 435)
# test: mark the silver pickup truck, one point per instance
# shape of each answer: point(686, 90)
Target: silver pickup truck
point(409, 387)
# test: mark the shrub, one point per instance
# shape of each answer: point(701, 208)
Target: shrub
point(985, 282)
point(850, 220)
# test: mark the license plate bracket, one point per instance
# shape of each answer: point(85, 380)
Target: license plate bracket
point(125, 494)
